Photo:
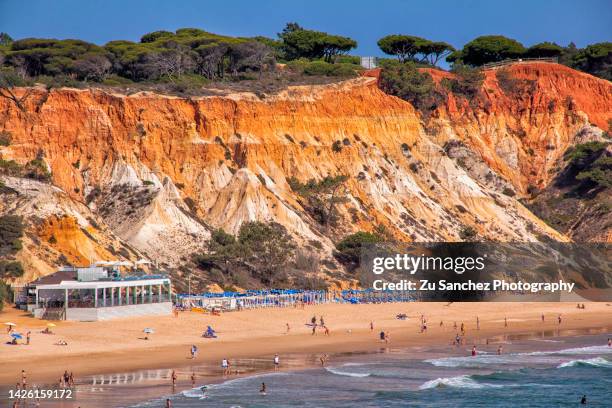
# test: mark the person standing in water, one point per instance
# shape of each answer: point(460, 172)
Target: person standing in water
point(500, 350)
point(583, 400)
point(474, 351)
point(168, 403)
point(262, 390)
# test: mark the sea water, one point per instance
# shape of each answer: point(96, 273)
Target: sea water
point(552, 373)
point(546, 370)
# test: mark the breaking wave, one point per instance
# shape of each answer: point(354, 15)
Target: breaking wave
point(591, 362)
point(346, 373)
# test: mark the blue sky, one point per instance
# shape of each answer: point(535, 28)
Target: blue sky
point(456, 22)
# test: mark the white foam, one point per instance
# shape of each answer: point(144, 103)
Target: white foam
point(346, 373)
point(595, 362)
point(577, 350)
point(197, 392)
point(462, 381)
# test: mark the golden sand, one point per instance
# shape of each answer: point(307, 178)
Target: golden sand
point(118, 345)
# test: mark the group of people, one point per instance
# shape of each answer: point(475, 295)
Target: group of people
point(66, 380)
point(313, 323)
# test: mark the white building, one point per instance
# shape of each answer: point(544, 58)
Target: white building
point(98, 292)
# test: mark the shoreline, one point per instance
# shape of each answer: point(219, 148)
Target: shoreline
point(114, 357)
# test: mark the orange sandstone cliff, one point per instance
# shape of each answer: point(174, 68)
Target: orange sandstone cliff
point(150, 176)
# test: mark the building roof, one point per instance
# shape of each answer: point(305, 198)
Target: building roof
point(56, 278)
point(104, 284)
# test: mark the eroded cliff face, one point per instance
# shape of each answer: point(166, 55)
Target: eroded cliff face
point(162, 172)
point(522, 133)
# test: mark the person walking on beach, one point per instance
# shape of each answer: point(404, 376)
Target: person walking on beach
point(194, 351)
point(500, 350)
point(193, 378)
point(441, 323)
point(173, 377)
point(542, 317)
point(168, 403)
point(455, 325)
point(28, 337)
point(71, 380)
point(326, 330)
point(276, 361)
point(462, 329)
point(559, 319)
point(313, 320)
point(371, 326)
point(24, 381)
point(323, 359)
point(288, 328)
point(477, 323)
point(505, 321)
point(226, 366)
point(387, 337)
point(321, 322)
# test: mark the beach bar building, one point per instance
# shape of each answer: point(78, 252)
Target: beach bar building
point(98, 292)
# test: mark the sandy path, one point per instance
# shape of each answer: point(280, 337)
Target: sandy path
point(117, 345)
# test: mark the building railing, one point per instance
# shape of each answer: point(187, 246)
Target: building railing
point(518, 61)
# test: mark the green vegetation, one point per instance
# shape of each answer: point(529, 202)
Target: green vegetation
point(407, 47)
point(489, 48)
point(513, 86)
point(11, 231)
point(320, 198)
point(5, 138)
point(350, 247)
point(297, 42)
point(595, 59)
point(405, 81)
point(544, 50)
point(467, 81)
point(592, 163)
point(262, 249)
point(467, 233)
point(183, 60)
point(35, 169)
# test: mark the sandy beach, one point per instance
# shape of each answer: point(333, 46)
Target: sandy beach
point(118, 345)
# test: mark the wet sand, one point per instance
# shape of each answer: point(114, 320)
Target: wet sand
point(118, 345)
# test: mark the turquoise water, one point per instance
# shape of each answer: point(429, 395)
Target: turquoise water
point(558, 376)
point(534, 371)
